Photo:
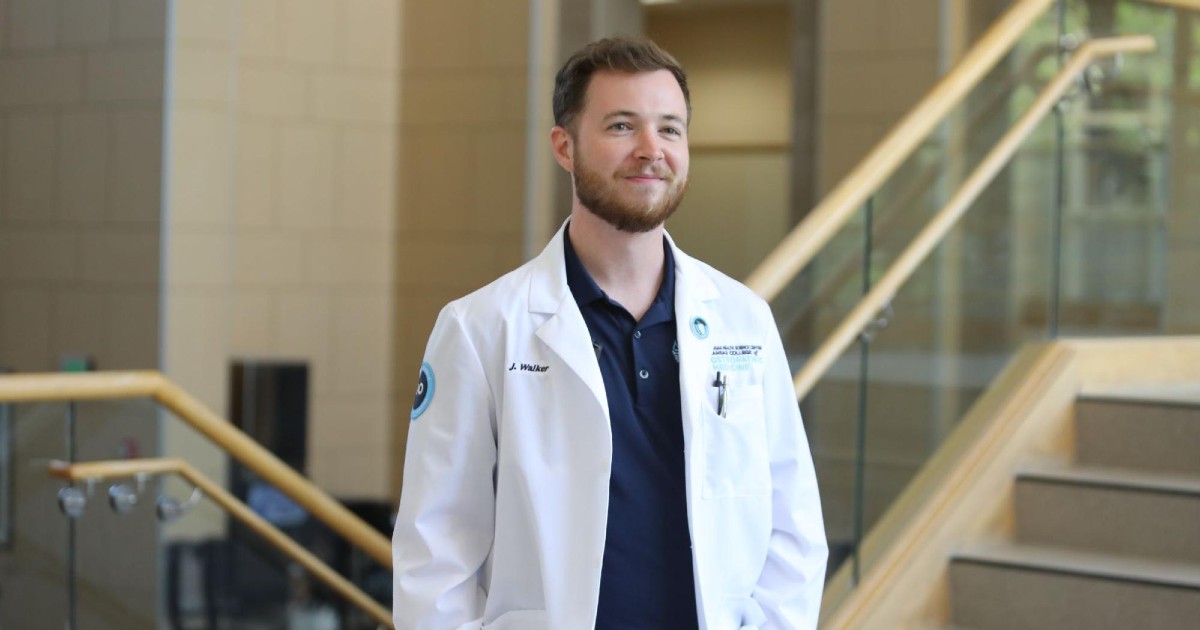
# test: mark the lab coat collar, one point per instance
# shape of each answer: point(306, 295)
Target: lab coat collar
point(566, 333)
point(549, 291)
point(690, 279)
point(548, 277)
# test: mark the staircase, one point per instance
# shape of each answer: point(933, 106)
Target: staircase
point(1110, 542)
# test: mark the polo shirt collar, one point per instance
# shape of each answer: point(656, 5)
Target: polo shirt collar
point(586, 291)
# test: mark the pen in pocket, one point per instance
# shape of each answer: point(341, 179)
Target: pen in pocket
point(722, 385)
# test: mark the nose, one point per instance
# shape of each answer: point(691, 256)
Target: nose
point(649, 147)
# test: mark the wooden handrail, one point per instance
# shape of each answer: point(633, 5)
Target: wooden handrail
point(835, 209)
point(18, 388)
point(933, 233)
point(237, 509)
point(888, 216)
point(810, 235)
point(22, 388)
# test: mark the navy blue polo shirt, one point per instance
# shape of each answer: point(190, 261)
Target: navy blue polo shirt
point(646, 580)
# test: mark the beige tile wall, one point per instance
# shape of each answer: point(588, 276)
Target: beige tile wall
point(80, 156)
point(281, 219)
point(81, 116)
point(738, 71)
point(739, 75)
point(879, 57)
point(461, 168)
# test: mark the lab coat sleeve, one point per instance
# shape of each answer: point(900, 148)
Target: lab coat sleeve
point(445, 525)
point(790, 585)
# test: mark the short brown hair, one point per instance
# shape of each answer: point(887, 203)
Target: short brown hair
point(620, 54)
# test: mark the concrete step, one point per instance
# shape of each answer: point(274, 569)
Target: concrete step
point(1116, 511)
point(1150, 435)
point(1005, 586)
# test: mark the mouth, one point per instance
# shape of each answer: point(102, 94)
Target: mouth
point(646, 178)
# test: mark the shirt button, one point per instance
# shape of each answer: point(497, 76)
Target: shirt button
point(644, 374)
point(637, 334)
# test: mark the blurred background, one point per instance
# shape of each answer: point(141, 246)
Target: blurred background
point(268, 201)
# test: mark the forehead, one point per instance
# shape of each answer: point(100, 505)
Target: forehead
point(652, 94)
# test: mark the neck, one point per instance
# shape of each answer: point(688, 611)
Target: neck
point(627, 267)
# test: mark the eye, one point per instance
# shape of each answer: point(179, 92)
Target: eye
point(621, 126)
point(672, 131)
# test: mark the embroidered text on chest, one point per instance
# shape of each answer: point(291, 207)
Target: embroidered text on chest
point(736, 357)
point(528, 367)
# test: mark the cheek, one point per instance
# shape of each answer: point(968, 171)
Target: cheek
point(617, 156)
point(680, 164)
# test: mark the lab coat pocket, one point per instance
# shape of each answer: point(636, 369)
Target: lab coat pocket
point(737, 461)
point(518, 620)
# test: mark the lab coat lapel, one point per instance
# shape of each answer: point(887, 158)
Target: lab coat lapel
point(564, 331)
point(695, 323)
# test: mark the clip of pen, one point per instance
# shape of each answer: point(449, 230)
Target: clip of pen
point(722, 393)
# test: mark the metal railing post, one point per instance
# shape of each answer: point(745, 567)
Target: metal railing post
point(72, 557)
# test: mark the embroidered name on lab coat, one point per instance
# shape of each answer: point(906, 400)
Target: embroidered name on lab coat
point(528, 367)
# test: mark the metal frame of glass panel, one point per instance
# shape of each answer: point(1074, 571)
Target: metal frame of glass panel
point(6, 475)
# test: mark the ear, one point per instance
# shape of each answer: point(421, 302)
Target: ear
point(564, 148)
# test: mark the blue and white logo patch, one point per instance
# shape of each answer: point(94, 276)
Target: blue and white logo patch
point(699, 328)
point(675, 350)
point(425, 386)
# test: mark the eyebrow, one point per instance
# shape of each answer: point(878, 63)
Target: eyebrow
point(632, 114)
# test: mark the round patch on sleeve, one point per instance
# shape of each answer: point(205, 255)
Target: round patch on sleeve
point(425, 385)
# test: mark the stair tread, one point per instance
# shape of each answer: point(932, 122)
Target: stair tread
point(1082, 563)
point(1112, 477)
point(1185, 394)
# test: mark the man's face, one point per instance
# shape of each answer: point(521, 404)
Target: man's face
point(630, 151)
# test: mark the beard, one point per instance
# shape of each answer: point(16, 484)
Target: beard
point(602, 195)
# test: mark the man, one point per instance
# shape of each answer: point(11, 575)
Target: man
point(608, 437)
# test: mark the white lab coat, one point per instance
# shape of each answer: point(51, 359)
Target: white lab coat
point(503, 513)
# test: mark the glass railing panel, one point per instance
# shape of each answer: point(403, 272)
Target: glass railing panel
point(232, 577)
point(1127, 211)
point(119, 563)
point(99, 569)
point(955, 325)
point(34, 553)
point(218, 572)
point(1021, 265)
point(816, 302)
point(807, 310)
point(117, 536)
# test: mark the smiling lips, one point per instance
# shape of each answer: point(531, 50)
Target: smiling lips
point(647, 178)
